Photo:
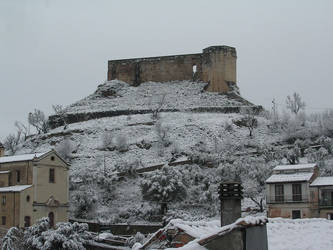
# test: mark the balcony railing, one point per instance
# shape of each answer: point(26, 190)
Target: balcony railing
point(326, 203)
point(286, 199)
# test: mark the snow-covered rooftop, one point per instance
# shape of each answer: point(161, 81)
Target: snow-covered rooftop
point(25, 157)
point(289, 177)
point(323, 181)
point(4, 172)
point(295, 167)
point(17, 188)
point(197, 229)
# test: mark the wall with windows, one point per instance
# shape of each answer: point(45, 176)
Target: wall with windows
point(20, 172)
point(9, 209)
point(26, 210)
point(286, 210)
point(288, 191)
point(44, 188)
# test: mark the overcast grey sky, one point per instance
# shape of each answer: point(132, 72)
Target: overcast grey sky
point(56, 51)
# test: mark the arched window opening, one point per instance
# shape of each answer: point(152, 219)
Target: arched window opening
point(194, 69)
point(51, 219)
point(27, 221)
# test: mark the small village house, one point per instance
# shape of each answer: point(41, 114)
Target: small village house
point(322, 189)
point(32, 186)
point(296, 191)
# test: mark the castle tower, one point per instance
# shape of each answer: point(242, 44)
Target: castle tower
point(219, 68)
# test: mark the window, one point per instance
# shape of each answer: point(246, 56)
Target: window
point(52, 158)
point(18, 176)
point(51, 219)
point(194, 71)
point(27, 221)
point(297, 192)
point(4, 199)
point(279, 192)
point(3, 220)
point(51, 175)
point(28, 198)
point(326, 198)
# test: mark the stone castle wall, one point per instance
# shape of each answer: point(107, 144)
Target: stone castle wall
point(215, 65)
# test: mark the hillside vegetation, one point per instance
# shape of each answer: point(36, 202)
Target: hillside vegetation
point(171, 158)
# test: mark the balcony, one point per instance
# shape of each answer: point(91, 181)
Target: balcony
point(325, 203)
point(286, 199)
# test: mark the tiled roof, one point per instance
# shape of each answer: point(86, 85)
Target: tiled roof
point(289, 177)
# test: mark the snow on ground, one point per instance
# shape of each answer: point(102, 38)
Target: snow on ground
point(288, 234)
point(118, 95)
point(185, 130)
point(300, 234)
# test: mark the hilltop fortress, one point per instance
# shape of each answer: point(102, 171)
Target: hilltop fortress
point(216, 65)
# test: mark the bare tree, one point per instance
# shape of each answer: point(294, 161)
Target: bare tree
point(12, 141)
point(294, 103)
point(249, 120)
point(22, 129)
point(60, 111)
point(38, 120)
point(162, 133)
point(156, 110)
point(292, 155)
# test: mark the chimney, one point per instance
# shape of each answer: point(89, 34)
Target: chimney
point(231, 197)
point(2, 150)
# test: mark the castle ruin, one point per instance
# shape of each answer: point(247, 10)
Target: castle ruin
point(216, 65)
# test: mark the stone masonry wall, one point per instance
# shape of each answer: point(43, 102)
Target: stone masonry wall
point(216, 65)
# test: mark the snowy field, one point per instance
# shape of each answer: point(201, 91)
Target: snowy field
point(301, 234)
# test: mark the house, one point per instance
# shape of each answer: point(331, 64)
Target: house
point(296, 191)
point(33, 186)
point(322, 190)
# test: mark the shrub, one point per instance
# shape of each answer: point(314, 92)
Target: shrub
point(84, 201)
point(163, 186)
point(65, 149)
point(121, 143)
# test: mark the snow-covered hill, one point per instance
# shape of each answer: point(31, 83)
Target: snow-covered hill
point(203, 148)
point(118, 95)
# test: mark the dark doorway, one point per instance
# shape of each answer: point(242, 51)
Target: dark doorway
point(27, 221)
point(51, 219)
point(296, 214)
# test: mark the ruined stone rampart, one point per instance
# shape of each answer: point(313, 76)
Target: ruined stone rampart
point(57, 121)
point(216, 65)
